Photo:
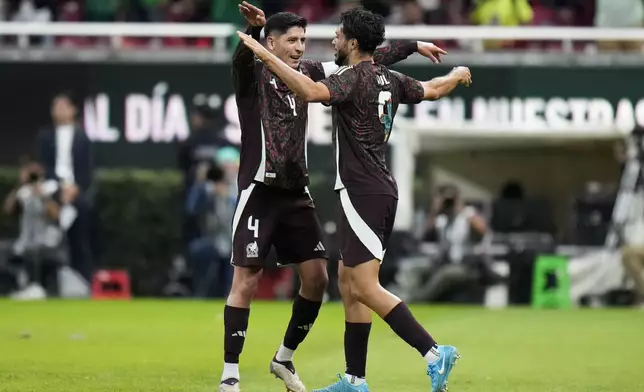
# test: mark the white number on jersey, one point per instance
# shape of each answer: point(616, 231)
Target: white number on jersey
point(253, 225)
point(291, 102)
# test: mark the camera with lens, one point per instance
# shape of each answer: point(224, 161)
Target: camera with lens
point(215, 173)
point(33, 177)
point(449, 196)
point(448, 205)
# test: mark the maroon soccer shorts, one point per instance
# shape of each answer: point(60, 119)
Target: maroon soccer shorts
point(269, 216)
point(364, 226)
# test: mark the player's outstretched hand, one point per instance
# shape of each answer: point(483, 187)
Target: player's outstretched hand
point(253, 15)
point(252, 44)
point(464, 74)
point(430, 51)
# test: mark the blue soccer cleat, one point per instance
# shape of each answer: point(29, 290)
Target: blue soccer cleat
point(344, 386)
point(439, 371)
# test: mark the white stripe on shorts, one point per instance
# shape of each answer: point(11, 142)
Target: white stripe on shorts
point(364, 233)
point(243, 200)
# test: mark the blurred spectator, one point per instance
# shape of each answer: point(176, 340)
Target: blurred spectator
point(501, 13)
point(620, 13)
point(3, 6)
point(407, 12)
point(633, 260)
point(550, 13)
point(38, 249)
point(344, 5)
point(512, 190)
point(70, 11)
point(101, 10)
point(202, 145)
point(228, 160)
point(313, 10)
point(453, 12)
point(633, 248)
point(65, 152)
point(211, 201)
point(41, 11)
point(383, 7)
point(32, 10)
point(457, 228)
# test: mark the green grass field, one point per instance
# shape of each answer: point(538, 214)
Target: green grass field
point(177, 346)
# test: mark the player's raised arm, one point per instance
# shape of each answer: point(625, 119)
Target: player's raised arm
point(243, 58)
point(395, 52)
point(443, 85)
point(301, 85)
point(400, 50)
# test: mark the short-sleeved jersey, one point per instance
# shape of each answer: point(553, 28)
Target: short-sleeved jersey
point(274, 120)
point(365, 98)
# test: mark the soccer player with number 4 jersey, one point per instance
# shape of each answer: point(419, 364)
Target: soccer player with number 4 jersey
point(274, 206)
point(365, 96)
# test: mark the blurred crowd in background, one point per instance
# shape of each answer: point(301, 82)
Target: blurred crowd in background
point(54, 203)
point(601, 13)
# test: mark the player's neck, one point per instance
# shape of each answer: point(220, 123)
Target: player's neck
point(357, 58)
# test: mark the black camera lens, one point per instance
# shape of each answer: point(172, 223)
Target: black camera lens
point(215, 174)
point(33, 177)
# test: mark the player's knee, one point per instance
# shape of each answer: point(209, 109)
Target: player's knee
point(346, 293)
point(362, 288)
point(245, 283)
point(344, 280)
point(315, 281)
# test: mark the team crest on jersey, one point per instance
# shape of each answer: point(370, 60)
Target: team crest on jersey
point(252, 250)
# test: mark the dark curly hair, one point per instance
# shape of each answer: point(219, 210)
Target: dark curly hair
point(365, 27)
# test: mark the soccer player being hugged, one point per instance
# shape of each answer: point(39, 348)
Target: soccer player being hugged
point(364, 96)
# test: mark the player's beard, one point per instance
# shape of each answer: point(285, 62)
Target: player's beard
point(341, 58)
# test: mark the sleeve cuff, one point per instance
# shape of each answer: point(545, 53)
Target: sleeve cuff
point(411, 47)
point(254, 32)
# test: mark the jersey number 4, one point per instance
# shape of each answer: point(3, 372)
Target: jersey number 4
point(253, 225)
point(291, 103)
point(385, 107)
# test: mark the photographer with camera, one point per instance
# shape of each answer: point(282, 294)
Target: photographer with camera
point(38, 249)
point(457, 228)
point(211, 202)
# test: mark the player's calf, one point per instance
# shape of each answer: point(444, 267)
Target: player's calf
point(365, 286)
point(314, 279)
point(236, 314)
point(306, 308)
point(357, 329)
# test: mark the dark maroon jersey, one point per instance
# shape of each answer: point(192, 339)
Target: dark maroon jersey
point(365, 98)
point(274, 121)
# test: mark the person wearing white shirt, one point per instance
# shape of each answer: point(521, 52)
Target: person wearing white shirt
point(65, 152)
point(457, 229)
point(620, 14)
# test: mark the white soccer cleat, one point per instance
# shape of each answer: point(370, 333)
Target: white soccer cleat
point(285, 371)
point(229, 385)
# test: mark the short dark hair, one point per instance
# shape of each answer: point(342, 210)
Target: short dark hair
point(365, 27)
point(68, 95)
point(281, 22)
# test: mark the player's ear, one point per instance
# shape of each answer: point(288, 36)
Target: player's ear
point(270, 42)
point(353, 44)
